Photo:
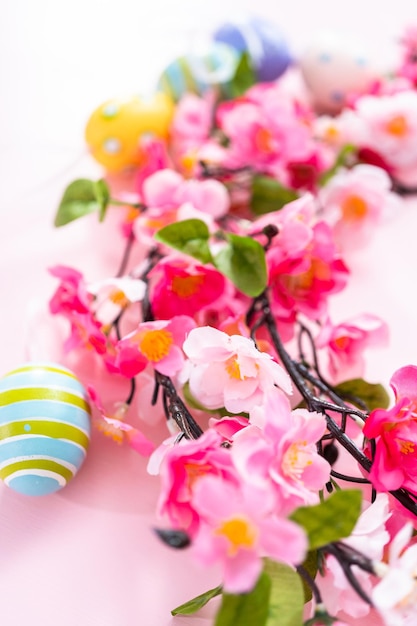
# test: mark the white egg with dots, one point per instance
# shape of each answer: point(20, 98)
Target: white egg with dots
point(334, 66)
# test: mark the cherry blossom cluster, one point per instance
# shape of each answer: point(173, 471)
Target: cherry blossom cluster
point(246, 220)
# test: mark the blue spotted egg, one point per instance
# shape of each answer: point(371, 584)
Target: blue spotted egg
point(199, 72)
point(44, 428)
point(262, 40)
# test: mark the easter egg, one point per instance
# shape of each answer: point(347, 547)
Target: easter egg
point(334, 66)
point(44, 428)
point(116, 129)
point(262, 40)
point(198, 72)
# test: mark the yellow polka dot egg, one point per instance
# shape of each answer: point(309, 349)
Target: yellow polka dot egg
point(116, 130)
point(44, 428)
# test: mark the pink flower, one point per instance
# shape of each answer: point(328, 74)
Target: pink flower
point(167, 189)
point(354, 200)
point(347, 342)
point(368, 537)
point(295, 223)
point(265, 130)
point(116, 428)
point(182, 467)
point(408, 67)
point(158, 343)
point(279, 450)
point(395, 434)
point(302, 282)
point(228, 371)
point(154, 157)
point(395, 597)
point(183, 287)
point(237, 528)
point(192, 120)
point(391, 126)
point(87, 332)
point(71, 296)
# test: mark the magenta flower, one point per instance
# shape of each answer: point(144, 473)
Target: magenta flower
point(266, 129)
point(237, 528)
point(395, 434)
point(302, 282)
point(279, 451)
point(158, 343)
point(87, 332)
point(71, 296)
point(183, 287)
point(228, 371)
point(182, 467)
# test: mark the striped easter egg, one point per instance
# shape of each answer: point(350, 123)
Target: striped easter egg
point(198, 72)
point(44, 428)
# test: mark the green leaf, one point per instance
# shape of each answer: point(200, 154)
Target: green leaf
point(374, 396)
point(243, 79)
point(102, 192)
point(81, 197)
point(246, 609)
point(311, 566)
point(342, 159)
point(269, 195)
point(331, 520)
point(197, 603)
point(188, 236)
point(243, 261)
point(287, 596)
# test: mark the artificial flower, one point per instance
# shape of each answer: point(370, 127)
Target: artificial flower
point(237, 528)
point(228, 370)
point(395, 596)
point(158, 343)
point(395, 433)
point(183, 287)
point(278, 450)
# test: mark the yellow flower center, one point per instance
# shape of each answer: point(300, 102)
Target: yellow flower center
point(354, 208)
point(233, 369)
point(186, 286)
point(342, 342)
point(331, 133)
point(188, 161)
point(397, 126)
point(406, 447)
point(195, 471)
point(296, 459)
point(263, 140)
point(118, 297)
point(109, 430)
point(303, 282)
point(239, 532)
point(155, 344)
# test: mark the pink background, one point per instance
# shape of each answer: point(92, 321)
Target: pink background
point(87, 555)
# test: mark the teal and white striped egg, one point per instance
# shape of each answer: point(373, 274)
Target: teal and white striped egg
point(198, 72)
point(44, 428)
